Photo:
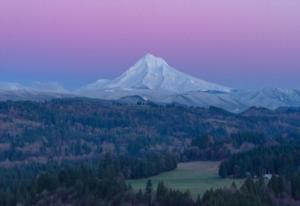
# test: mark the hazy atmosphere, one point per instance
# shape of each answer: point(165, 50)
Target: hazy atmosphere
point(240, 44)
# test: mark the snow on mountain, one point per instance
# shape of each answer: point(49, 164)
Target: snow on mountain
point(36, 91)
point(151, 78)
point(154, 73)
point(271, 98)
point(154, 79)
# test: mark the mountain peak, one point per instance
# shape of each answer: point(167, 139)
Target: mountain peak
point(155, 74)
point(149, 56)
point(151, 61)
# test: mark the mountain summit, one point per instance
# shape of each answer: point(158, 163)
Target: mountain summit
point(154, 73)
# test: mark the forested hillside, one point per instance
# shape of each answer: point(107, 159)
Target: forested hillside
point(80, 151)
point(73, 129)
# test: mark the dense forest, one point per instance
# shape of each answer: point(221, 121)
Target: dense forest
point(74, 129)
point(103, 183)
point(278, 160)
point(80, 151)
point(278, 191)
point(104, 177)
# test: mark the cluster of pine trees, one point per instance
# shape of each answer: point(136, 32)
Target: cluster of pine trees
point(277, 160)
point(278, 191)
point(208, 147)
point(88, 181)
point(78, 186)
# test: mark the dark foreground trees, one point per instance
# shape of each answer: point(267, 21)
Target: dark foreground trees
point(80, 185)
point(88, 182)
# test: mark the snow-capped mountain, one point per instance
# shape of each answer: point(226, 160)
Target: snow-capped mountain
point(154, 73)
point(152, 78)
point(271, 98)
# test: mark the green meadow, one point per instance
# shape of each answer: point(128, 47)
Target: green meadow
point(197, 177)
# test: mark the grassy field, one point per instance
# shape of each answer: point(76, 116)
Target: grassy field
point(194, 176)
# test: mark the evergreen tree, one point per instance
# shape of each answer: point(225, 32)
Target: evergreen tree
point(148, 192)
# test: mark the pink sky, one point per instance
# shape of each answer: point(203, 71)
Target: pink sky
point(240, 43)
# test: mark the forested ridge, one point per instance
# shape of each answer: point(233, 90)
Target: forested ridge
point(70, 129)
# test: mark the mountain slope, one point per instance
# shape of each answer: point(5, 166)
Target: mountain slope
point(37, 91)
point(153, 73)
point(271, 98)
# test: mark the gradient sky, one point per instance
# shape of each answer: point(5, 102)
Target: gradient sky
point(238, 43)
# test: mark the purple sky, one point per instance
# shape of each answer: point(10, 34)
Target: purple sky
point(238, 43)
